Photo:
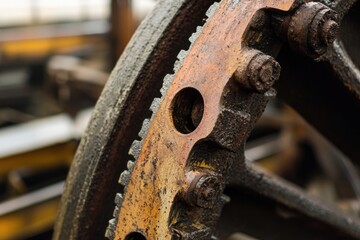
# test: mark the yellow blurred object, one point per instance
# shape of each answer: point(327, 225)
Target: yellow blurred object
point(43, 47)
point(58, 155)
point(28, 221)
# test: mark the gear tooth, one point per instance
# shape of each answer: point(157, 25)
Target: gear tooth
point(145, 128)
point(110, 230)
point(163, 90)
point(110, 234)
point(116, 212)
point(271, 94)
point(124, 178)
point(212, 9)
point(225, 198)
point(155, 105)
point(130, 165)
point(195, 35)
point(136, 145)
point(167, 81)
point(112, 222)
point(135, 149)
point(119, 198)
point(182, 54)
point(177, 65)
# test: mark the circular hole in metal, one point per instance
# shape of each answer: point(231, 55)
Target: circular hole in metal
point(187, 110)
point(135, 236)
point(350, 34)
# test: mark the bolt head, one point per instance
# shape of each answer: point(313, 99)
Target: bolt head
point(207, 191)
point(329, 32)
point(323, 31)
point(266, 73)
point(312, 29)
point(204, 189)
point(263, 72)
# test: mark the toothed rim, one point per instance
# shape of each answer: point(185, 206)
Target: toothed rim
point(135, 148)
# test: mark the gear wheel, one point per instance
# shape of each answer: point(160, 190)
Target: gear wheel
point(193, 143)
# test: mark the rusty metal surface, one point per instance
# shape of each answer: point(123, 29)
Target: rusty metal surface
point(311, 29)
point(168, 153)
point(343, 56)
point(187, 149)
point(102, 155)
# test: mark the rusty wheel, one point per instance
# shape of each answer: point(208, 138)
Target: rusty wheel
point(190, 147)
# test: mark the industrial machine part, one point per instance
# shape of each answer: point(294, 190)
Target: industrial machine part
point(188, 178)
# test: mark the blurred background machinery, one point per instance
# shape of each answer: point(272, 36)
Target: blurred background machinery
point(55, 57)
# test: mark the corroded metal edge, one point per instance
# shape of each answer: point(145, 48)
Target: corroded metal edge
point(150, 216)
point(135, 148)
point(92, 180)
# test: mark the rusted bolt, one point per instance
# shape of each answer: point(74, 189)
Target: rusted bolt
point(310, 30)
point(323, 29)
point(203, 189)
point(258, 71)
point(329, 31)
